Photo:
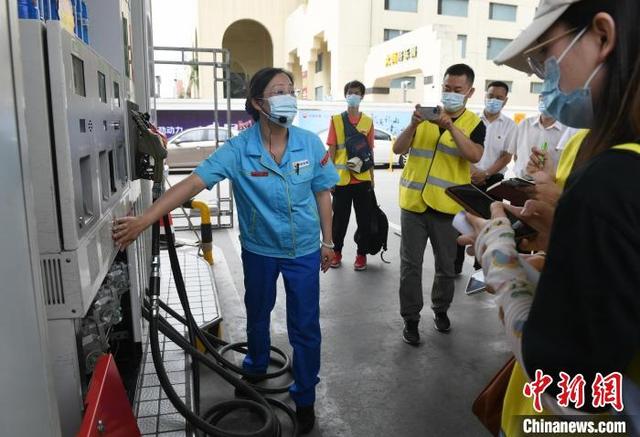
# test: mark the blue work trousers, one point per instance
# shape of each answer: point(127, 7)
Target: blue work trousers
point(302, 285)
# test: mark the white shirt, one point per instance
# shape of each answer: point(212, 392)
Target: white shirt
point(501, 133)
point(530, 133)
point(566, 136)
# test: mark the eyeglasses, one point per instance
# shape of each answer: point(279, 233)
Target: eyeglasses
point(281, 91)
point(536, 64)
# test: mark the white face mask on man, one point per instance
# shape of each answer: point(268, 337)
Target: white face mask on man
point(353, 100)
point(453, 102)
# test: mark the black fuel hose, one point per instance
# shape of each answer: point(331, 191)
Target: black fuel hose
point(214, 414)
point(193, 326)
point(256, 403)
point(237, 347)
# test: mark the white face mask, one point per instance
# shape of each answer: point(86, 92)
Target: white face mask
point(353, 100)
point(574, 109)
point(453, 102)
point(493, 106)
point(283, 109)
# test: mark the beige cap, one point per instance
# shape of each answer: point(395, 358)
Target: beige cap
point(547, 13)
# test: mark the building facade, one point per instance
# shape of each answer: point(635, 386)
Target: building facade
point(398, 48)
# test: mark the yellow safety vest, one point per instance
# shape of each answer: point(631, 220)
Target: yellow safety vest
point(515, 403)
point(568, 157)
point(340, 157)
point(434, 164)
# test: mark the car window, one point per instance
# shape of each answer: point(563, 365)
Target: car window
point(380, 135)
point(191, 136)
point(210, 135)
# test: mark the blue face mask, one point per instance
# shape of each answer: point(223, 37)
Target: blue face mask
point(353, 100)
point(493, 106)
point(453, 102)
point(543, 109)
point(574, 109)
point(283, 109)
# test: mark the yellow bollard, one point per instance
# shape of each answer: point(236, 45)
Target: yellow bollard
point(205, 228)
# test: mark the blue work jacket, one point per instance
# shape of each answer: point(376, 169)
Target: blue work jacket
point(276, 204)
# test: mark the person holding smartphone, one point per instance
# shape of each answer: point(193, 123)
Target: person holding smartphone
point(583, 315)
point(439, 156)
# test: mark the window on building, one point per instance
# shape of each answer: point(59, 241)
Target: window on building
point(319, 63)
point(457, 8)
point(499, 11)
point(401, 5)
point(508, 82)
point(535, 87)
point(397, 82)
point(393, 33)
point(495, 46)
point(319, 93)
point(462, 46)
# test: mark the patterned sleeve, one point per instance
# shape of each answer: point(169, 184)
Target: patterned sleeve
point(505, 274)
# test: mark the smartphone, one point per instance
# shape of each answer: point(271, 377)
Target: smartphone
point(476, 283)
point(519, 182)
point(479, 203)
point(511, 190)
point(429, 112)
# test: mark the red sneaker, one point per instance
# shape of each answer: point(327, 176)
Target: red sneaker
point(361, 263)
point(337, 260)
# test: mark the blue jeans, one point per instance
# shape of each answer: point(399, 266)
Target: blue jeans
point(302, 284)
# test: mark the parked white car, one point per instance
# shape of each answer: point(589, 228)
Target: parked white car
point(382, 148)
point(190, 147)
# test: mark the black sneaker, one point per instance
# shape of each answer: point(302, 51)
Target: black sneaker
point(410, 333)
point(306, 419)
point(441, 322)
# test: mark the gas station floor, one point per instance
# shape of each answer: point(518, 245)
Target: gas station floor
point(156, 415)
point(372, 383)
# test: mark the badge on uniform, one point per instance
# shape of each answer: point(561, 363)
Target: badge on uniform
point(300, 164)
point(259, 173)
point(325, 159)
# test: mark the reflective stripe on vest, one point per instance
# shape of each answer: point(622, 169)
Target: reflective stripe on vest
point(340, 156)
point(453, 151)
point(430, 180)
point(421, 153)
point(434, 164)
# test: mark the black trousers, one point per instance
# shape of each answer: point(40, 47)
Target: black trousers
point(343, 196)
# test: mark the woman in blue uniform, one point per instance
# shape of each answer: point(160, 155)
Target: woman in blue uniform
point(281, 178)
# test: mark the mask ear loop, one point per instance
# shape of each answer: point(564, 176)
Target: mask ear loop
point(593, 75)
point(575, 40)
point(269, 117)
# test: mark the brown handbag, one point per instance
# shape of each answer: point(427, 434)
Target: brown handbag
point(488, 405)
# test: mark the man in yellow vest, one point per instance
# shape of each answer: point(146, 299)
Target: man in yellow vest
point(440, 154)
point(353, 187)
